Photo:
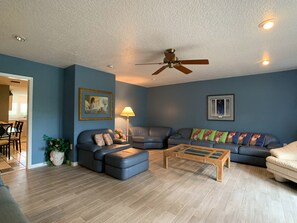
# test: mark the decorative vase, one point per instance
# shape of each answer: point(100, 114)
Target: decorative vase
point(57, 157)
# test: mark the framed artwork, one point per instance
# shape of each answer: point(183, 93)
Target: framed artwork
point(95, 104)
point(220, 107)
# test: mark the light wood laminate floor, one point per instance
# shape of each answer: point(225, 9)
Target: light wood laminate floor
point(186, 192)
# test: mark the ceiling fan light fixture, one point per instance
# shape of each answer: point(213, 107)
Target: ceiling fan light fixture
point(267, 24)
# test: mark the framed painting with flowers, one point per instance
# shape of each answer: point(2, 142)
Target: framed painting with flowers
point(95, 104)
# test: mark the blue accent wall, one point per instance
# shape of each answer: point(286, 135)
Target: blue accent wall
point(135, 97)
point(77, 77)
point(265, 103)
point(47, 99)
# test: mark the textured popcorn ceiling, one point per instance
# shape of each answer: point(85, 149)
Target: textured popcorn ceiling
point(95, 33)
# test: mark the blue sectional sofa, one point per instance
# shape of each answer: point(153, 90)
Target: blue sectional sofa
point(149, 137)
point(9, 209)
point(254, 155)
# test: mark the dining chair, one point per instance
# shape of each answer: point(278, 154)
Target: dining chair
point(16, 135)
point(5, 134)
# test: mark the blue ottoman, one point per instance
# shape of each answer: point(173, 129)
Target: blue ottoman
point(126, 163)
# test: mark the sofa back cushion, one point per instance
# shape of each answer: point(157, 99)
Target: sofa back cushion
point(159, 131)
point(185, 132)
point(87, 136)
point(270, 139)
point(139, 131)
point(197, 134)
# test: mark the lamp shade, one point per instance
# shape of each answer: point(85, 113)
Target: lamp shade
point(127, 112)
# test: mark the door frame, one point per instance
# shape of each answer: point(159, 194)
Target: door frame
point(29, 114)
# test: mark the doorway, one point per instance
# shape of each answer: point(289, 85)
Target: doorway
point(19, 111)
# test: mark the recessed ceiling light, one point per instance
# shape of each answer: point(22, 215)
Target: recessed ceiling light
point(267, 24)
point(20, 38)
point(110, 66)
point(265, 62)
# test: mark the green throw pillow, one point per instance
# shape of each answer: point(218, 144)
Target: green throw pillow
point(220, 137)
point(209, 134)
point(197, 134)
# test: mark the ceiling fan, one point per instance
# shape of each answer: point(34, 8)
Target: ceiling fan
point(172, 61)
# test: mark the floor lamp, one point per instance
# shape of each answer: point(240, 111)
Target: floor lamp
point(127, 112)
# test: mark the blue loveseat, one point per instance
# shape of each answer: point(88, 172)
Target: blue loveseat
point(254, 155)
point(92, 156)
point(149, 137)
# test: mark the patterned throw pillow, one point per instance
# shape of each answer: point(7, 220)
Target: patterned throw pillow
point(99, 140)
point(244, 138)
point(209, 134)
point(257, 140)
point(197, 134)
point(232, 137)
point(220, 137)
point(107, 139)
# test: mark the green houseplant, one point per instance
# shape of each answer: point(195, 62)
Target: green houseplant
point(55, 150)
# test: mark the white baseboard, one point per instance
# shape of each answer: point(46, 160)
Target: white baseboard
point(37, 165)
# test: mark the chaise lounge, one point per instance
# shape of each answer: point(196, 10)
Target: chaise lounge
point(283, 163)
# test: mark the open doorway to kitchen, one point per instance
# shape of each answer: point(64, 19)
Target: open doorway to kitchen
point(16, 93)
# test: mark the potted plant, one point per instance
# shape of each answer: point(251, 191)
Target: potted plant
point(55, 151)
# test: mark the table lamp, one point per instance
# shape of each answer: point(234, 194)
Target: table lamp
point(127, 112)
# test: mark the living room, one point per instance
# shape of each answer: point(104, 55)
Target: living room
point(59, 58)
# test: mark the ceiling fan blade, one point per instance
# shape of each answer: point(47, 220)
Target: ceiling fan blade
point(149, 63)
point(182, 69)
point(160, 70)
point(203, 61)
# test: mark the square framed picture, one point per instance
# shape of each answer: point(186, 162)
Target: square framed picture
point(95, 104)
point(220, 107)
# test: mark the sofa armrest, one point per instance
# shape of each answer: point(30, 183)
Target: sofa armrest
point(274, 145)
point(119, 141)
point(288, 152)
point(88, 147)
point(176, 136)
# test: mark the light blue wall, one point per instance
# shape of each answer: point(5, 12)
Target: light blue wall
point(47, 99)
point(135, 97)
point(265, 103)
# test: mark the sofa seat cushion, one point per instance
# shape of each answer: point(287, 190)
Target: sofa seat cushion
point(202, 143)
point(230, 146)
point(173, 141)
point(145, 139)
point(100, 153)
point(254, 151)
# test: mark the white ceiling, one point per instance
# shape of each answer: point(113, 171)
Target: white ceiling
point(19, 88)
point(124, 32)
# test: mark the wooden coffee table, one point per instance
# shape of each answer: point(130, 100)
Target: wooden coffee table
point(213, 156)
